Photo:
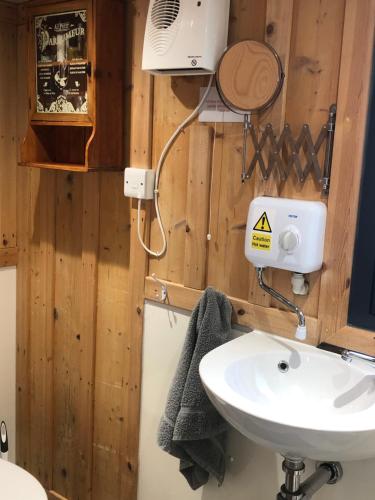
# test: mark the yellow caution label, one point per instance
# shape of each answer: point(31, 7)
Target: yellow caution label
point(263, 224)
point(261, 241)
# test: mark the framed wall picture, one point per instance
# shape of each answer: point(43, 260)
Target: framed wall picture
point(62, 59)
point(61, 62)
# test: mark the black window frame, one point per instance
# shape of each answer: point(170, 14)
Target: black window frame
point(361, 312)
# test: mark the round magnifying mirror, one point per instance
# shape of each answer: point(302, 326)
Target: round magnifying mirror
point(249, 77)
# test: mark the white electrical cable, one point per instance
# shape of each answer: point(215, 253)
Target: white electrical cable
point(163, 155)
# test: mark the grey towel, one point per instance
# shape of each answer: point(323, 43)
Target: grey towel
point(191, 428)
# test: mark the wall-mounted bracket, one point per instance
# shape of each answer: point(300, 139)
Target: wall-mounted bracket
point(285, 153)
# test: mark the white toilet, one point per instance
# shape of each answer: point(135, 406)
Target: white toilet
point(17, 484)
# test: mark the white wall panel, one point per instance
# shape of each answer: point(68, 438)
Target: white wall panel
point(8, 354)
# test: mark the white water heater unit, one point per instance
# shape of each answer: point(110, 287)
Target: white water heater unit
point(185, 37)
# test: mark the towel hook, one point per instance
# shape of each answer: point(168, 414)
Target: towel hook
point(164, 289)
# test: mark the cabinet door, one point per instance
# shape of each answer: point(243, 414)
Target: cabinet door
point(60, 57)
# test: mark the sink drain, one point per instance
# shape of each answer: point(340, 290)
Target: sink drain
point(283, 366)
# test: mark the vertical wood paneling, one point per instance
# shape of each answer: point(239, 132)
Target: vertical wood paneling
point(23, 221)
point(42, 273)
point(247, 20)
point(312, 87)
point(140, 150)
point(308, 38)
point(313, 74)
point(112, 339)
point(355, 75)
point(227, 261)
point(81, 269)
point(79, 330)
point(67, 461)
point(77, 224)
point(24, 215)
point(229, 198)
point(8, 132)
point(181, 95)
point(278, 32)
point(197, 206)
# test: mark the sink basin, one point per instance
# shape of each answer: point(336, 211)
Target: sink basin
point(293, 398)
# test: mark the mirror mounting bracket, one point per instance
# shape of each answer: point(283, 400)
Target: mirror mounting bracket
point(285, 153)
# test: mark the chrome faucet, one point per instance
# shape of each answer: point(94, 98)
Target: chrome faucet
point(348, 356)
point(301, 332)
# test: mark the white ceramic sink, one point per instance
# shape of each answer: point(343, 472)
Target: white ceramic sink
point(321, 408)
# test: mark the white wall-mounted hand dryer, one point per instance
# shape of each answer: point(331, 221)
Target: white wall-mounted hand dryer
point(185, 37)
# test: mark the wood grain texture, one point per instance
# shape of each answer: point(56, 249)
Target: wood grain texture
point(355, 75)
point(281, 323)
point(249, 76)
point(140, 151)
point(41, 297)
point(229, 198)
point(182, 95)
point(8, 257)
point(8, 13)
point(81, 272)
point(197, 206)
point(78, 328)
point(308, 39)
point(77, 215)
point(23, 442)
point(278, 33)
point(23, 220)
point(111, 339)
point(8, 126)
point(313, 79)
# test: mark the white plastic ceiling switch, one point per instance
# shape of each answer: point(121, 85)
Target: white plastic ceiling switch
point(286, 234)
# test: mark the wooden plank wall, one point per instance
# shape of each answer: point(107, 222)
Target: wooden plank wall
point(78, 345)
point(308, 36)
point(81, 271)
point(8, 133)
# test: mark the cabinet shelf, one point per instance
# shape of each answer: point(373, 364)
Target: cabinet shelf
point(76, 85)
point(57, 166)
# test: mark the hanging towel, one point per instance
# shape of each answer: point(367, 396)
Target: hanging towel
point(191, 428)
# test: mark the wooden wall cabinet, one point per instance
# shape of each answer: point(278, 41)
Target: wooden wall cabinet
point(76, 71)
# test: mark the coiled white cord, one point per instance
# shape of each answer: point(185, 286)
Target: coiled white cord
point(163, 155)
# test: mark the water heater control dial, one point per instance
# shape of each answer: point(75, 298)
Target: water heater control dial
point(288, 240)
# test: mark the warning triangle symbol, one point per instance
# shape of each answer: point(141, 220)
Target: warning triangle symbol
point(263, 224)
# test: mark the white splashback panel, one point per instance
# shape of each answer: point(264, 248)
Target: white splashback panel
point(159, 478)
point(8, 354)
